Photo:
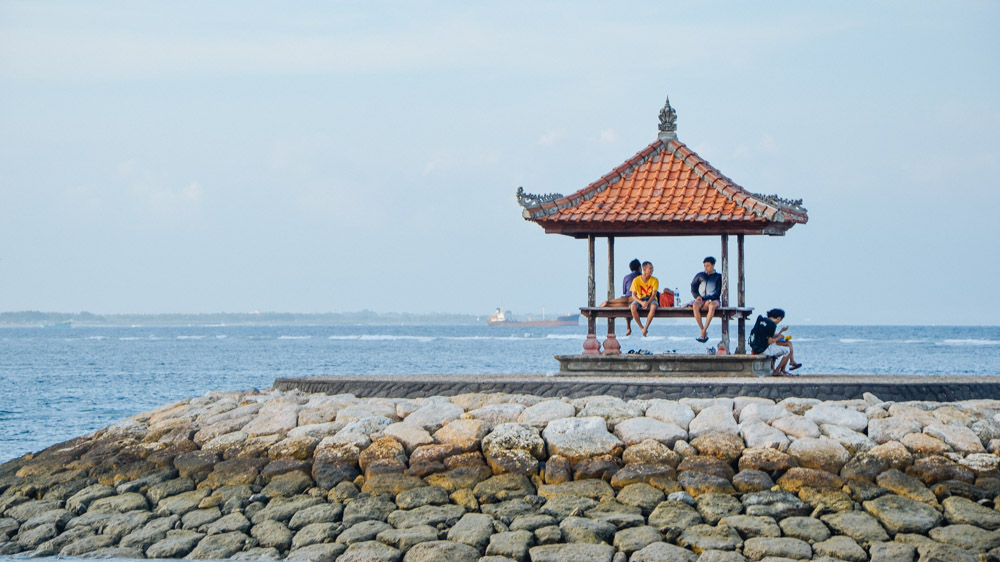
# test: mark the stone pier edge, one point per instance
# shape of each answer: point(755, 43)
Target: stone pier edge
point(826, 387)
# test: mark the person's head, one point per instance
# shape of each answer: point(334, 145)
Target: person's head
point(647, 269)
point(634, 266)
point(709, 264)
point(776, 315)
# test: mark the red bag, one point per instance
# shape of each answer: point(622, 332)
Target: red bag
point(667, 299)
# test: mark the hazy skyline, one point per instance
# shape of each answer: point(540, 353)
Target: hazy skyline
point(326, 157)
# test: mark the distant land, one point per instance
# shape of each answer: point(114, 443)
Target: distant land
point(36, 318)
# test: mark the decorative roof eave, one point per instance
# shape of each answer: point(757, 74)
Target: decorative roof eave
point(539, 206)
point(780, 214)
point(628, 229)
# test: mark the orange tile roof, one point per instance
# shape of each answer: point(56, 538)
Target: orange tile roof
point(665, 189)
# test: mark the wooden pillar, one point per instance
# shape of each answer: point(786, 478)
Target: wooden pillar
point(725, 289)
point(741, 347)
point(590, 345)
point(611, 345)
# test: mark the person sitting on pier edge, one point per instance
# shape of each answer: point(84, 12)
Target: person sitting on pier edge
point(644, 295)
point(626, 298)
point(706, 288)
point(764, 341)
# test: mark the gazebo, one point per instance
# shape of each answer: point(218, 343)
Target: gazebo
point(664, 190)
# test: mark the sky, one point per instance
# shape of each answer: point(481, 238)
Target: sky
point(339, 156)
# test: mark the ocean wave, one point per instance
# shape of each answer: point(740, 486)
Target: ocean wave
point(130, 338)
point(190, 337)
point(565, 336)
point(345, 337)
point(294, 337)
point(851, 340)
point(221, 336)
point(98, 338)
point(975, 342)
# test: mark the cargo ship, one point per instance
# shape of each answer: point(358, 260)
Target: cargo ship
point(503, 318)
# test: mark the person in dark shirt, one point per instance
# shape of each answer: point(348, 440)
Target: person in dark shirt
point(635, 267)
point(765, 339)
point(706, 288)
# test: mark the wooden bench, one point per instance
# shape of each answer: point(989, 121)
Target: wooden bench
point(723, 314)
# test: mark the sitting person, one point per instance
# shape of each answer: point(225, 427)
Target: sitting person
point(626, 298)
point(706, 288)
point(644, 295)
point(764, 341)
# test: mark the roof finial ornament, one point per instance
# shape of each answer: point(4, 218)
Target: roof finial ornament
point(668, 122)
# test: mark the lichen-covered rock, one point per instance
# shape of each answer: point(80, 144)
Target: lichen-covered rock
point(433, 416)
point(714, 419)
point(672, 517)
point(580, 438)
point(473, 529)
point(370, 551)
point(821, 454)
point(404, 539)
point(796, 426)
point(705, 537)
point(433, 551)
point(496, 414)
point(757, 548)
point(858, 525)
point(663, 552)
point(539, 415)
point(964, 511)
point(513, 447)
point(223, 545)
point(724, 446)
point(958, 437)
point(805, 528)
point(903, 515)
point(843, 417)
point(635, 430)
point(466, 435)
point(510, 545)
point(892, 428)
point(766, 460)
point(574, 551)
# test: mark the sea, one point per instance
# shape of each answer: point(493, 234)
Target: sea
point(59, 383)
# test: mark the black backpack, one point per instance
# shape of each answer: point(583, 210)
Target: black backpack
point(755, 332)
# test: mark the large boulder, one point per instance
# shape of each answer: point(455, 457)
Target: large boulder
point(903, 515)
point(671, 412)
point(433, 416)
point(883, 430)
point(580, 438)
point(466, 435)
point(635, 430)
point(835, 415)
point(822, 454)
point(542, 413)
point(513, 447)
point(714, 419)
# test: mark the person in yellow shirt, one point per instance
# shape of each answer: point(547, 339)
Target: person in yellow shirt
point(645, 296)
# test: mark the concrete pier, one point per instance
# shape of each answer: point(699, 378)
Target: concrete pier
point(823, 387)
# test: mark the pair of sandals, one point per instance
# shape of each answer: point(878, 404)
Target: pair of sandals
point(786, 373)
point(639, 352)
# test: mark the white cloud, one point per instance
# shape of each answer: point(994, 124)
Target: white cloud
point(608, 136)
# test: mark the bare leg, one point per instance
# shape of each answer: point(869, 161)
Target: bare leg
point(791, 354)
point(781, 366)
point(628, 326)
point(649, 318)
point(708, 317)
point(634, 308)
point(697, 316)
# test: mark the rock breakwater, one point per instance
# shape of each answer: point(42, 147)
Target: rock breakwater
point(499, 477)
